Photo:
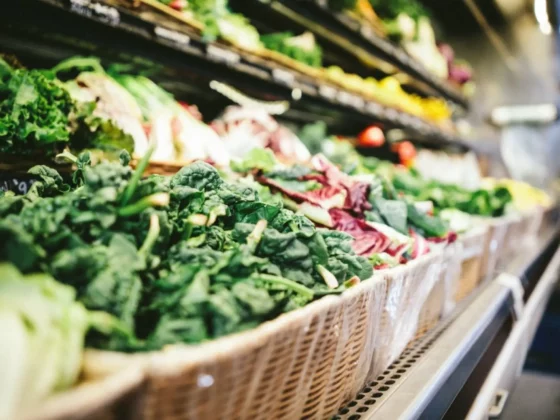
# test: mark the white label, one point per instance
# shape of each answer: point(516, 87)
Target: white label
point(100, 11)
point(374, 108)
point(223, 55)
point(16, 185)
point(171, 35)
point(327, 92)
point(366, 31)
point(350, 100)
point(392, 114)
point(283, 76)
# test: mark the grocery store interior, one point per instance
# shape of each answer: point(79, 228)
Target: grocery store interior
point(279, 209)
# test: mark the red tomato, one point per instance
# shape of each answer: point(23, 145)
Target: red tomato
point(372, 136)
point(406, 152)
point(178, 4)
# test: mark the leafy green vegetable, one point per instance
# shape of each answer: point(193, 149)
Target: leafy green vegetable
point(339, 5)
point(43, 331)
point(262, 159)
point(428, 226)
point(180, 259)
point(34, 113)
point(390, 9)
point(393, 212)
point(39, 115)
point(301, 48)
point(313, 136)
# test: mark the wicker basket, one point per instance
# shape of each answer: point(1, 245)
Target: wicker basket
point(112, 396)
point(474, 246)
point(494, 246)
point(440, 299)
point(305, 363)
point(408, 289)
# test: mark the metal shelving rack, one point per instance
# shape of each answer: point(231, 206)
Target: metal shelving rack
point(100, 26)
point(350, 34)
point(466, 366)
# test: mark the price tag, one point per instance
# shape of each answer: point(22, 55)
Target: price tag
point(350, 100)
point(283, 76)
point(91, 9)
point(328, 92)
point(219, 54)
point(392, 114)
point(401, 55)
point(374, 108)
point(171, 35)
point(19, 186)
point(366, 31)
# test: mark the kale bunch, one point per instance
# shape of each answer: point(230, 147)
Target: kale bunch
point(34, 112)
point(178, 259)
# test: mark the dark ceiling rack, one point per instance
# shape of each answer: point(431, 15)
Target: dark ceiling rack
point(343, 30)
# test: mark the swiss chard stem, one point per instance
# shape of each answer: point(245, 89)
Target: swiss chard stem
point(256, 235)
point(192, 221)
point(217, 211)
point(351, 282)
point(154, 200)
point(151, 237)
point(284, 282)
point(327, 276)
point(136, 176)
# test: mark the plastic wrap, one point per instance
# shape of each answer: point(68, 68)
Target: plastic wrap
point(494, 246)
point(451, 275)
point(408, 287)
point(520, 234)
point(305, 363)
point(440, 300)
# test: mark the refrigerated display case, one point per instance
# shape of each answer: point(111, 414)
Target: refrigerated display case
point(363, 288)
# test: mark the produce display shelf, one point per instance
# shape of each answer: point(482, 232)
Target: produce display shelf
point(456, 370)
point(347, 32)
point(108, 23)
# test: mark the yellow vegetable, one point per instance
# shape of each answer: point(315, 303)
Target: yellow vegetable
point(525, 196)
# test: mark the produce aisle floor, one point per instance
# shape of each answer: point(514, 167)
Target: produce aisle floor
point(536, 396)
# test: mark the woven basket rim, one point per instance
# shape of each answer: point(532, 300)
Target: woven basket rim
point(87, 398)
point(173, 358)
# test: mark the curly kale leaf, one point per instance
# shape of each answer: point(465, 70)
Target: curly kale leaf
point(34, 113)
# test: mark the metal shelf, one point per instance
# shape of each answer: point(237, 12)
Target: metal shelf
point(60, 28)
point(456, 369)
point(358, 39)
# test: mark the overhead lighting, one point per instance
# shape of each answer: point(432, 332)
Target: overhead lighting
point(541, 13)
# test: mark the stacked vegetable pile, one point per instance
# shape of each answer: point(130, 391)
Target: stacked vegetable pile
point(218, 21)
point(409, 23)
point(39, 116)
point(302, 48)
point(77, 105)
point(456, 205)
point(386, 228)
point(178, 259)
